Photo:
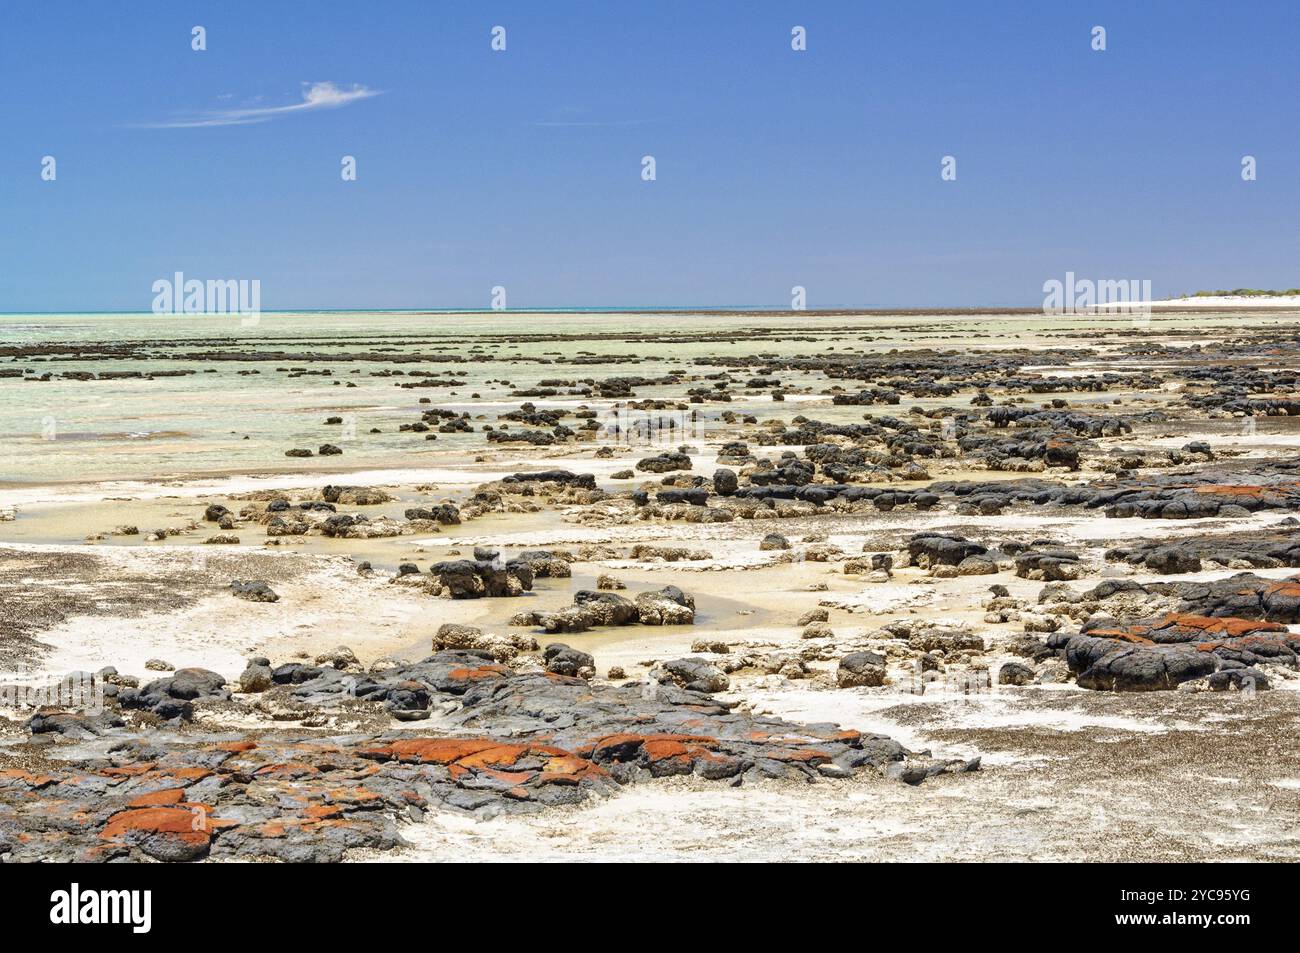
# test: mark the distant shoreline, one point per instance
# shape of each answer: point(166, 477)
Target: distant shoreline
point(418, 312)
point(1230, 303)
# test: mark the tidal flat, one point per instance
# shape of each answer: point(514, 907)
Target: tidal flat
point(719, 585)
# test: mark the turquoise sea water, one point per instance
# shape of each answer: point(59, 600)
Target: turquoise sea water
point(73, 430)
point(224, 418)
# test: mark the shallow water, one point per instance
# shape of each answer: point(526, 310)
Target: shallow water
point(244, 400)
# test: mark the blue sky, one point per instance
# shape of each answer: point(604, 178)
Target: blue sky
point(523, 168)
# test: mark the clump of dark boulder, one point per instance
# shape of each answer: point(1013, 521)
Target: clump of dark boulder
point(254, 590)
point(562, 660)
point(445, 514)
point(560, 477)
point(173, 696)
point(546, 564)
point(664, 463)
point(1048, 563)
point(1209, 492)
point(595, 608)
point(478, 578)
point(861, 669)
point(1261, 549)
point(942, 549)
point(1244, 596)
point(355, 495)
point(694, 675)
point(1163, 654)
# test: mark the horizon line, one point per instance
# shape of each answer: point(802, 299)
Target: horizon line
point(569, 309)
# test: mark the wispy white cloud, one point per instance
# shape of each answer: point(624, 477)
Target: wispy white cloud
point(315, 96)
